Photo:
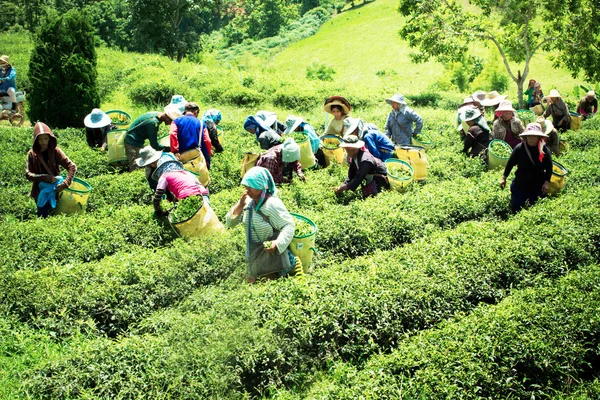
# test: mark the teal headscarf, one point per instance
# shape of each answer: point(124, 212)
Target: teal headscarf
point(261, 179)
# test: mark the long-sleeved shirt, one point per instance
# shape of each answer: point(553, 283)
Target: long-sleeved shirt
point(145, 128)
point(8, 80)
point(279, 218)
point(476, 140)
point(213, 134)
point(335, 127)
point(529, 176)
point(363, 167)
point(180, 183)
point(379, 145)
point(586, 107)
point(273, 161)
point(399, 125)
point(188, 132)
point(559, 111)
point(508, 131)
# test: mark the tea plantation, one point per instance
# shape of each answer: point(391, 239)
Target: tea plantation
point(434, 292)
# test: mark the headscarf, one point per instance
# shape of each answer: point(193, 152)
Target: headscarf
point(260, 178)
point(212, 114)
point(166, 165)
point(252, 123)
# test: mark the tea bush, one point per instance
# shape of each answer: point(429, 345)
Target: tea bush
point(532, 343)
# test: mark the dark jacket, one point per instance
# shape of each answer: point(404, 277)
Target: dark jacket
point(54, 158)
point(367, 167)
point(529, 176)
point(476, 140)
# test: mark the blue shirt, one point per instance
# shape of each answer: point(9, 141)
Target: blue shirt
point(379, 145)
point(9, 80)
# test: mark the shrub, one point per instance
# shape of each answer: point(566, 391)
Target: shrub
point(153, 93)
point(62, 71)
point(319, 71)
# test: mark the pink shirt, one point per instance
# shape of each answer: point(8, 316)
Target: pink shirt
point(181, 183)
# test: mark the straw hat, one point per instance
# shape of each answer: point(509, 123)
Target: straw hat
point(591, 94)
point(505, 105)
point(493, 98)
point(546, 125)
point(337, 101)
point(534, 129)
point(174, 111)
point(553, 93)
point(396, 98)
point(267, 118)
point(478, 96)
point(97, 119)
point(290, 151)
point(4, 60)
point(468, 114)
point(352, 142)
point(291, 123)
point(147, 156)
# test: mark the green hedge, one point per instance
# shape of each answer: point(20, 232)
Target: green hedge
point(539, 343)
point(223, 342)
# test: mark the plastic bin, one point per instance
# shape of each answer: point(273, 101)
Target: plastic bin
point(415, 156)
point(202, 223)
point(303, 246)
point(307, 158)
point(423, 140)
point(558, 179)
point(120, 118)
point(497, 160)
point(74, 198)
point(398, 182)
point(526, 116)
point(331, 149)
point(197, 165)
point(115, 141)
point(575, 120)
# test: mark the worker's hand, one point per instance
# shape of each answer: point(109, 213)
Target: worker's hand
point(340, 189)
point(503, 182)
point(60, 188)
point(545, 187)
point(272, 249)
point(177, 156)
point(238, 208)
point(302, 178)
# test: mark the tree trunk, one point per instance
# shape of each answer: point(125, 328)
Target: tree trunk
point(520, 93)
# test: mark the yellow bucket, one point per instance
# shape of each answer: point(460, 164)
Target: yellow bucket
point(165, 141)
point(74, 198)
point(197, 165)
point(415, 156)
point(575, 120)
point(332, 150)
point(248, 162)
point(220, 135)
point(120, 118)
point(558, 179)
point(203, 222)
point(537, 109)
point(497, 160)
point(115, 140)
point(307, 158)
point(398, 182)
point(526, 116)
point(303, 246)
point(423, 140)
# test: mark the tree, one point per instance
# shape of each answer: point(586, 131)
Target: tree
point(444, 29)
point(62, 71)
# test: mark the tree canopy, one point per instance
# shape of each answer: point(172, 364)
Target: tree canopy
point(445, 30)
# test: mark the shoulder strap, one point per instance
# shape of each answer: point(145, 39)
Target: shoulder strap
point(529, 155)
point(45, 165)
point(401, 127)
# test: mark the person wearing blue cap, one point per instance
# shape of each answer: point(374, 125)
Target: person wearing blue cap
point(399, 124)
point(211, 119)
point(268, 224)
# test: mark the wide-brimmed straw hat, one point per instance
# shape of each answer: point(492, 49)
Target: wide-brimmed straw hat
point(174, 111)
point(352, 142)
point(553, 93)
point(591, 93)
point(267, 118)
point(396, 98)
point(534, 129)
point(493, 98)
point(546, 125)
point(505, 105)
point(291, 123)
point(4, 60)
point(97, 119)
point(147, 156)
point(337, 101)
point(478, 96)
point(468, 114)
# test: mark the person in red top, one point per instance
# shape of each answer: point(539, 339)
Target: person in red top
point(43, 165)
point(281, 160)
